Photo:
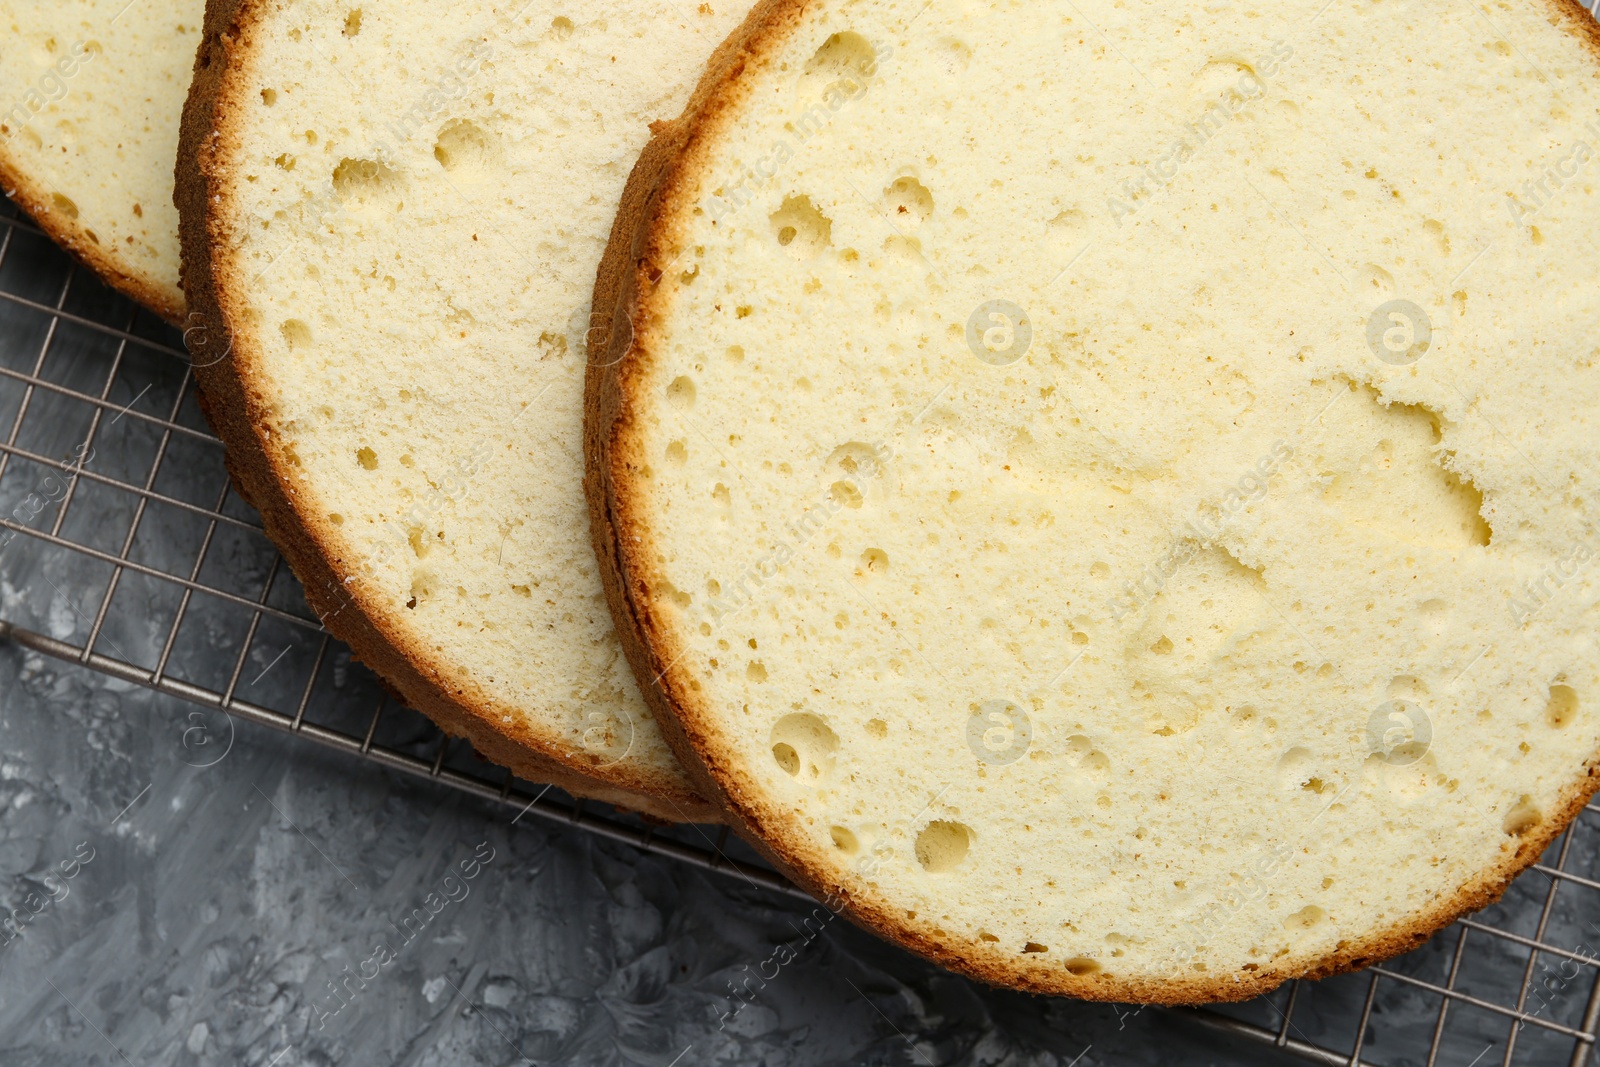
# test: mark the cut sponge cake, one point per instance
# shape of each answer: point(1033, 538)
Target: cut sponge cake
point(89, 107)
point(1107, 494)
point(390, 228)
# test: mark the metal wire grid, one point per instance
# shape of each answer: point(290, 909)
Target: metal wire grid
point(114, 496)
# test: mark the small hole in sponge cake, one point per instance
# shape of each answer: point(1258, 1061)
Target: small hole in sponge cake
point(680, 394)
point(786, 757)
point(908, 202)
point(1523, 817)
point(942, 845)
point(364, 181)
point(845, 494)
point(296, 334)
point(1563, 706)
point(838, 70)
point(465, 147)
point(801, 228)
point(803, 745)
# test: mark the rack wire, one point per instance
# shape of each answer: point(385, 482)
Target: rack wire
point(118, 522)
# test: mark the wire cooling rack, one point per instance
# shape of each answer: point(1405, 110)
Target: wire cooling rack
point(124, 549)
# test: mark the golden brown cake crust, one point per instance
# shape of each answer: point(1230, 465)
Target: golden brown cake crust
point(656, 199)
point(233, 400)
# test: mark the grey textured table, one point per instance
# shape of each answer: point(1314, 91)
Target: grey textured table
point(185, 886)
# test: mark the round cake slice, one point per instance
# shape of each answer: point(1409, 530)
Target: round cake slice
point(390, 225)
point(1106, 495)
point(89, 109)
